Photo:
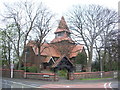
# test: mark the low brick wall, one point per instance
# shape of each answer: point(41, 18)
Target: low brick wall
point(41, 76)
point(84, 75)
point(16, 73)
point(54, 76)
point(108, 74)
point(5, 72)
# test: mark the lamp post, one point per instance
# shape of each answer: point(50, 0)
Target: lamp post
point(26, 52)
point(101, 68)
point(12, 66)
point(25, 63)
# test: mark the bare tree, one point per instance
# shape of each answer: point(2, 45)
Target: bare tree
point(5, 51)
point(43, 25)
point(88, 23)
point(23, 15)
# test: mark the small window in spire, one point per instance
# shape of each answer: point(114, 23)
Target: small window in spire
point(59, 34)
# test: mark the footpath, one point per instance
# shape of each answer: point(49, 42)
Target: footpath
point(101, 83)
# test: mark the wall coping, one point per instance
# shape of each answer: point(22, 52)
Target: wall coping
point(10, 70)
point(39, 73)
point(91, 72)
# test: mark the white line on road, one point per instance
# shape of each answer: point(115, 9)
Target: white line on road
point(105, 85)
point(21, 84)
point(110, 85)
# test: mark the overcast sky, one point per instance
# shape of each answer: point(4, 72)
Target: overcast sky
point(60, 7)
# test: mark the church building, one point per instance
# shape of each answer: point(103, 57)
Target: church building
point(57, 54)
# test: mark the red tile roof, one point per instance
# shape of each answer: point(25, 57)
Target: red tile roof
point(47, 59)
point(50, 50)
point(76, 50)
point(46, 49)
point(62, 26)
point(62, 38)
point(59, 39)
point(58, 61)
point(61, 30)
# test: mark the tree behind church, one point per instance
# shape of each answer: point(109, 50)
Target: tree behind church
point(89, 23)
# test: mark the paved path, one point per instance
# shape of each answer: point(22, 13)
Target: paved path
point(103, 83)
point(106, 85)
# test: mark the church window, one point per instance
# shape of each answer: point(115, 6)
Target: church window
point(59, 34)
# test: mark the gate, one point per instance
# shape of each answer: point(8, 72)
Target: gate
point(64, 68)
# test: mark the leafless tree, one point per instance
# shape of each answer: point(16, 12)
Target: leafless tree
point(88, 23)
point(25, 17)
point(43, 25)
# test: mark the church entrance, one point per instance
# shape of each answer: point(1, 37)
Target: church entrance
point(63, 68)
point(62, 74)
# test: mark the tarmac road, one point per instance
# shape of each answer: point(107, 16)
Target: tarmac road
point(108, 83)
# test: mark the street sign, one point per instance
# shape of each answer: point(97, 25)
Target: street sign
point(78, 67)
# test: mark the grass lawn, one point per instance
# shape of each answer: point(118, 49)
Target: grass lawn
point(94, 78)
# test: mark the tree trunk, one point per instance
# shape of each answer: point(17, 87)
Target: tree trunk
point(89, 65)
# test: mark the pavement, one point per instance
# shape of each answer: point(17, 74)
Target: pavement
point(31, 83)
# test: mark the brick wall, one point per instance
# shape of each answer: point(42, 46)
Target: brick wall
point(84, 75)
point(16, 73)
point(53, 76)
point(5, 73)
point(41, 76)
point(22, 74)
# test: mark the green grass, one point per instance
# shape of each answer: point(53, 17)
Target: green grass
point(94, 78)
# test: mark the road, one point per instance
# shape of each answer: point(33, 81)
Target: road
point(29, 83)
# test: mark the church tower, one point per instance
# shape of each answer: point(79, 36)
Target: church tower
point(62, 33)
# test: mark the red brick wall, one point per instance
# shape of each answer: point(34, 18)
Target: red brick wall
point(41, 76)
point(93, 75)
point(16, 73)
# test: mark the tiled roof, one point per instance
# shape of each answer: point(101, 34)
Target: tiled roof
point(46, 49)
point(76, 50)
point(50, 50)
point(59, 39)
point(62, 26)
point(47, 59)
point(62, 38)
point(61, 30)
point(58, 61)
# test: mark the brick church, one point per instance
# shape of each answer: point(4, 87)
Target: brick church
point(59, 53)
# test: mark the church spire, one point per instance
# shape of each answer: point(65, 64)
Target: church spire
point(62, 26)
point(62, 33)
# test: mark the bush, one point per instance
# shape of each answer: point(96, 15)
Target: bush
point(62, 73)
point(25, 69)
point(29, 69)
point(32, 69)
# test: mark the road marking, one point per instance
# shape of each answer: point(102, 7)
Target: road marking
point(105, 85)
point(110, 85)
point(67, 86)
point(18, 83)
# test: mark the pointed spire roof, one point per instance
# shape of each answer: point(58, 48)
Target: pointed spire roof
point(62, 26)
